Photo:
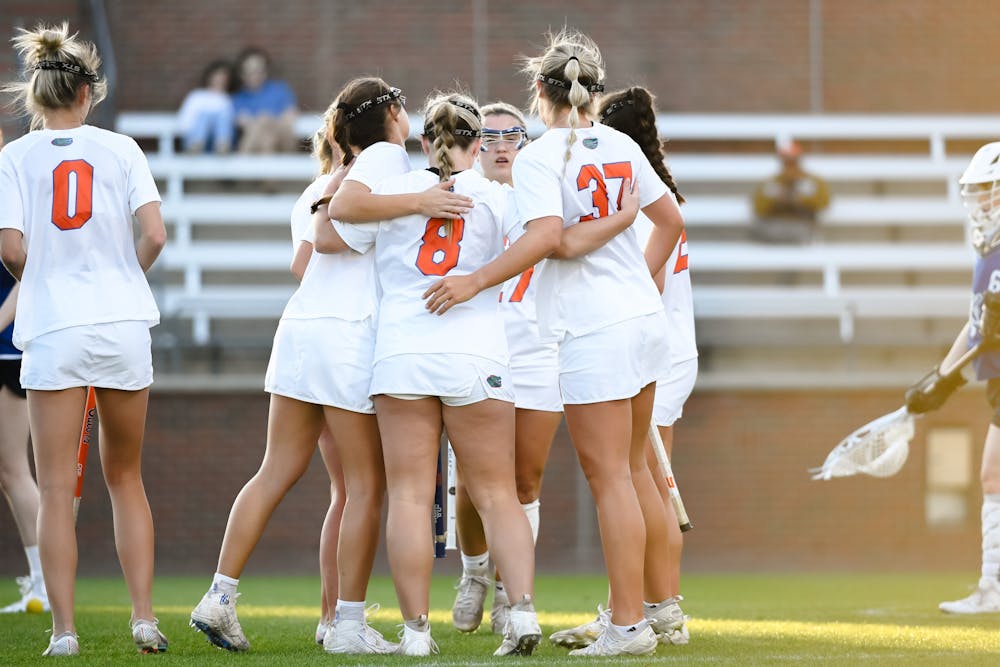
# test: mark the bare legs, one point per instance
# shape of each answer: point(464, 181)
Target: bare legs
point(328, 538)
point(15, 474)
point(293, 427)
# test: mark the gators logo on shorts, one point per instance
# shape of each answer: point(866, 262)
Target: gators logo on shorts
point(494, 381)
point(590, 142)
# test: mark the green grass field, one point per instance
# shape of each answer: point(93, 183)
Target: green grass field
point(836, 619)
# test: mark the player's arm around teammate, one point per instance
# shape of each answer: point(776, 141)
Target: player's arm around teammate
point(612, 347)
point(453, 369)
point(320, 372)
point(86, 249)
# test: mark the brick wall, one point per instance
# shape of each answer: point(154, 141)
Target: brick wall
point(740, 459)
point(895, 56)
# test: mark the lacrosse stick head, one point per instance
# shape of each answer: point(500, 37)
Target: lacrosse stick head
point(878, 448)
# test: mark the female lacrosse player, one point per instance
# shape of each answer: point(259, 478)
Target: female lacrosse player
point(330, 167)
point(84, 311)
point(632, 111)
point(534, 370)
point(981, 192)
point(16, 481)
point(451, 370)
point(604, 311)
point(320, 368)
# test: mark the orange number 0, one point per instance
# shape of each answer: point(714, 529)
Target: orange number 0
point(589, 174)
point(522, 285)
point(83, 196)
point(438, 253)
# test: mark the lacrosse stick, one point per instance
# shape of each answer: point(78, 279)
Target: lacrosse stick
point(437, 512)
point(880, 447)
point(451, 533)
point(89, 415)
point(668, 475)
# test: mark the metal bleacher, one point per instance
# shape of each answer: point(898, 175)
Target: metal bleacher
point(885, 285)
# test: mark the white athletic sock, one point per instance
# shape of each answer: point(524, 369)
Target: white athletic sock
point(350, 610)
point(34, 562)
point(478, 565)
point(224, 584)
point(420, 624)
point(991, 537)
point(531, 511)
point(630, 629)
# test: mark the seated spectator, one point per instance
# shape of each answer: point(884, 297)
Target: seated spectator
point(265, 107)
point(785, 206)
point(206, 118)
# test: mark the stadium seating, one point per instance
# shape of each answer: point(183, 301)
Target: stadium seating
point(892, 242)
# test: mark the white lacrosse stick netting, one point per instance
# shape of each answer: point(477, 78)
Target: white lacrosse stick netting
point(878, 448)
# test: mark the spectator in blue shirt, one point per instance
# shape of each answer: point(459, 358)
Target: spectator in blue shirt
point(265, 107)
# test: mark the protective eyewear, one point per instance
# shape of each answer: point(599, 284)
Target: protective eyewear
point(515, 137)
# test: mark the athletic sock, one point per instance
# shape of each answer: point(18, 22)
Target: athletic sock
point(34, 562)
point(350, 611)
point(419, 624)
point(630, 629)
point(991, 537)
point(531, 511)
point(478, 565)
point(223, 584)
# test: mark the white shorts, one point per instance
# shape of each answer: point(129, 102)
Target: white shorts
point(457, 379)
point(673, 392)
point(327, 361)
point(111, 355)
point(536, 380)
point(614, 362)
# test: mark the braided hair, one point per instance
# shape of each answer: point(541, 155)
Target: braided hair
point(633, 112)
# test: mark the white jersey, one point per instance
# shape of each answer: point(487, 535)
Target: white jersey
point(73, 193)
point(301, 215)
point(678, 300)
point(610, 284)
point(517, 302)
point(342, 284)
point(412, 253)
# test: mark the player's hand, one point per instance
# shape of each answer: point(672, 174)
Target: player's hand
point(932, 391)
point(447, 292)
point(630, 197)
point(440, 202)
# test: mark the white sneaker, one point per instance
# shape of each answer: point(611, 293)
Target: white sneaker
point(984, 600)
point(583, 635)
point(321, 629)
point(641, 642)
point(499, 612)
point(147, 636)
point(669, 622)
point(65, 644)
point(416, 642)
point(30, 590)
point(357, 638)
point(522, 633)
point(215, 615)
point(467, 612)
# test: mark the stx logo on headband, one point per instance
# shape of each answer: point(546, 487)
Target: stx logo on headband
point(367, 105)
point(67, 67)
point(561, 83)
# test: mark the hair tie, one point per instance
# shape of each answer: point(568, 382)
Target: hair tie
point(573, 58)
point(67, 67)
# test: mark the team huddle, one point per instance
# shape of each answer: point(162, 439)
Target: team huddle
point(509, 285)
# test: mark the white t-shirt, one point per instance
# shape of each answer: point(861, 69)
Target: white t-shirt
point(412, 253)
point(301, 215)
point(342, 284)
point(677, 297)
point(73, 193)
point(610, 284)
point(202, 101)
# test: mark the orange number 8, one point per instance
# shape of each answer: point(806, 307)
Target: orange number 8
point(439, 252)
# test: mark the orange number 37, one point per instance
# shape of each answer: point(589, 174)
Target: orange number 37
point(72, 194)
point(590, 175)
point(439, 250)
